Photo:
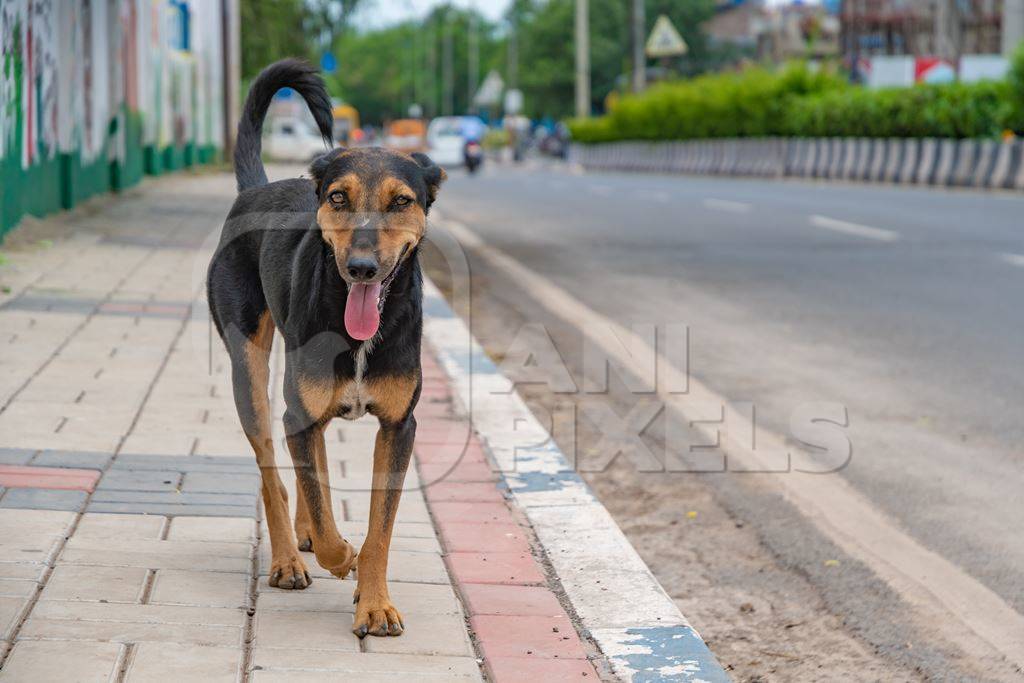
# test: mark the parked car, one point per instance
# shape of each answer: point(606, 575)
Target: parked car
point(447, 137)
point(406, 135)
point(293, 140)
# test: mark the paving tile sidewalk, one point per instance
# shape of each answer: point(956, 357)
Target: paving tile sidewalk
point(131, 542)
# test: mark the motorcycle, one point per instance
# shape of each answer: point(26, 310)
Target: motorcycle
point(473, 156)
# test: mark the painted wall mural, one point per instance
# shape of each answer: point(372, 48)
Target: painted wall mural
point(93, 93)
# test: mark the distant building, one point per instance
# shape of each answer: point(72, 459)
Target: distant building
point(941, 28)
point(777, 33)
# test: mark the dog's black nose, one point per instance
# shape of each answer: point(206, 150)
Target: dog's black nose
point(361, 268)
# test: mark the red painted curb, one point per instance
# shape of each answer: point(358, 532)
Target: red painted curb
point(522, 630)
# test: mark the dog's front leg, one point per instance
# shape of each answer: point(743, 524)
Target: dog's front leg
point(306, 444)
point(375, 614)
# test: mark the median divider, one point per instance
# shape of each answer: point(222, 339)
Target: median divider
point(992, 164)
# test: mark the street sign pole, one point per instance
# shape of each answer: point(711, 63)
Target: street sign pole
point(582, 59)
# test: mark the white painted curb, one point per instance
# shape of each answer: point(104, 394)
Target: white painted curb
point(622, 606)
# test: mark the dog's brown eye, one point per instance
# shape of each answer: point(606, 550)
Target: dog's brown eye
point(337, 198)
point(401, 201)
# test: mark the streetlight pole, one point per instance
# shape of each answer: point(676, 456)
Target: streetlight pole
point(447, 67)
point(639, 59)
point(512, 52)
point(432, 93)
point(1013, 25)
point(474, 58)
point(582, 59)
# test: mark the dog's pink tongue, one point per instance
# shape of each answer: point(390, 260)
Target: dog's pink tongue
point(362, 317)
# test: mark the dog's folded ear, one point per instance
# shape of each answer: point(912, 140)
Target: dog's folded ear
point(433, 174)
point(318, 168)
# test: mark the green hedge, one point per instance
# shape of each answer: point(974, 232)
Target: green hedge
point(751, 103)
point(1016, 81)
point(798, 102)
point(978, 110)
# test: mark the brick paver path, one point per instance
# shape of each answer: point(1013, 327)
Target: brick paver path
point(131, 546)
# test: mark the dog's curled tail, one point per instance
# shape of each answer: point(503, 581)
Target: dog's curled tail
point(287, 73)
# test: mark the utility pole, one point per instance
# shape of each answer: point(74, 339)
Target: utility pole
point(639, 59)
point(1013, 25)
point(474, 59)
point(417, 74)
point(448, 67)
point(582, 59)
point(947, 31)
point(512, 70)
point(432, 98)
point(414, 71)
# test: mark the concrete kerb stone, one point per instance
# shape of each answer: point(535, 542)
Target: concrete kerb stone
point(849, 158)
point(968, 163)
point(811, 158)
point(793, 149)
point(1000, 165)
point(863, 153)
point(984, 162)
point(641, 631)
point(894, 164)
point(879, 157)
point(704, 158)
point(826, 159)
point(911, 154)
point(836, 155)
point(946, 162)
point(927, 165)
point(986, 159)
point(1018, 183)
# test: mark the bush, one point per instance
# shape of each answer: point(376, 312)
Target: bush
point(800, 102)
point(940, 111)
point(1016, 81)
point(751, 103)
point(496, 138)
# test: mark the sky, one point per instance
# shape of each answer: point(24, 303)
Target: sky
point(384, 12)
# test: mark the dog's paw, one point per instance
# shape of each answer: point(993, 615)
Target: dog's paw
point(376, 616)
point(289, 573)
point(340, 562)
point(304, 535)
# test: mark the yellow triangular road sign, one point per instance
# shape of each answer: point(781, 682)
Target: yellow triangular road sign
point(665, 40)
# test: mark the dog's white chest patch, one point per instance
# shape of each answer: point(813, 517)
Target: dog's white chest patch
point(355, 397)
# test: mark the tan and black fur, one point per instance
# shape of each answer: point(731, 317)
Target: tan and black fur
point(287, 254)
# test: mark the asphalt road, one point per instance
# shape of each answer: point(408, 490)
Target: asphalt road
point(902, 304)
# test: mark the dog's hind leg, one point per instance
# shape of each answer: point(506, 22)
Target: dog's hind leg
point(309, 410)
point(250, 375)
point(303, 520)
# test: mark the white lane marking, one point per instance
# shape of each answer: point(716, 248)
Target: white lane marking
point(965, 611)
point(656, 195)
point(727, 205)
point(1013, 259)
point(847, 228)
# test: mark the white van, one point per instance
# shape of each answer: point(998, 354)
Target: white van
point(293, 140)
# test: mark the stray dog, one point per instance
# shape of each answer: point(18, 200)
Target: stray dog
point(330, 262)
